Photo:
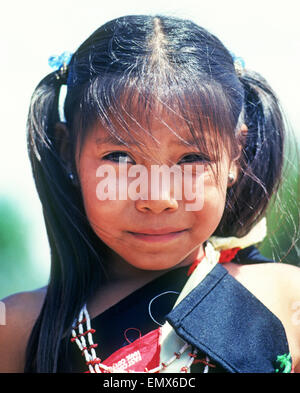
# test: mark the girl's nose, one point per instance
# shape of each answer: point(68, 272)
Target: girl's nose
point(156, 206)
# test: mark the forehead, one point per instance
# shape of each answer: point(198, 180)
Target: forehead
point(135, 135)
point(155, 130)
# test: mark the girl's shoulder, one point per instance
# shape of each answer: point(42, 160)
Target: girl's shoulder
point(277, 286)
point(282, 278)
point(20, 313)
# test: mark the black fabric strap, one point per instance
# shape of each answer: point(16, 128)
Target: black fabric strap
point(223, 319)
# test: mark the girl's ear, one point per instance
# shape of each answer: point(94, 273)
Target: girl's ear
point(64, 148)
point(242, 135)
point(235, 167)
point(63, 145)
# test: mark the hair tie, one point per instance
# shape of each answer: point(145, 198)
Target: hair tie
point(239, 63)
point(60, 63)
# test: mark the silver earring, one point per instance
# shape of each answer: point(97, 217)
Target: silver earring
point(231, 177)
point(71, 176)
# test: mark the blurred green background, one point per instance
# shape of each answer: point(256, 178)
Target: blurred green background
point(283, 215)
point(27, 41)
point(24, 253)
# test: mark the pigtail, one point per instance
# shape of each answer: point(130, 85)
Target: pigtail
point(73, 256)
point(279, 171)
point(261, 159)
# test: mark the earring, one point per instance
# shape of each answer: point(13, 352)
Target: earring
point(231, 177)
point(73, 179)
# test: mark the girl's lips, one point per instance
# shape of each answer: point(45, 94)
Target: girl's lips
point(159, 236)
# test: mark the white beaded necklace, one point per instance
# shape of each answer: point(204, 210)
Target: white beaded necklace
point(87, 347)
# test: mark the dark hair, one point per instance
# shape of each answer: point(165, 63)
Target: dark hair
point(133, 65)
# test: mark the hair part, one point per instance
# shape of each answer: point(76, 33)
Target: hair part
point(159, 79)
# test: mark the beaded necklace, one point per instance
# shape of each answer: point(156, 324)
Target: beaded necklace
point(84, 340)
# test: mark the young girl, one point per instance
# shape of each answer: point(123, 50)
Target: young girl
point(145, 284)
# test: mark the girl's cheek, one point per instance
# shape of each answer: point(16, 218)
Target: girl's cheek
point(100, 197)
point(199, 188)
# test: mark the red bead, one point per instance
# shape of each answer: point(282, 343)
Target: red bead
point(80, 322)
point(96, 361)
point(82, 351)
point(89, 331)
point(204, 362)
point(93, 362)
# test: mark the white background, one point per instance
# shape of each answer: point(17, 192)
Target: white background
point(265, 33)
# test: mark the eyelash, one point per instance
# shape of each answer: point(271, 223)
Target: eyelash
point(112, 156)
point(115, 157)
point(196, 158)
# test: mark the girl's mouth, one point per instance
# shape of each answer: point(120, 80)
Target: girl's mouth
point(161, 235)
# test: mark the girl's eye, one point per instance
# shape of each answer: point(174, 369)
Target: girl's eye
point(191, 158)
point(119, 156)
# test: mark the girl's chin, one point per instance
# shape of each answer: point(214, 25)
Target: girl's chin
point(160, 264)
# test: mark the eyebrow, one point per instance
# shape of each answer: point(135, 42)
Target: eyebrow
point(112, 140)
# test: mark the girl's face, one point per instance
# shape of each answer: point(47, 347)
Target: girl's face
point(146, 231)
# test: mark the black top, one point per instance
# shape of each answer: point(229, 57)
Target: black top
point(133, 316)
point(142, 311)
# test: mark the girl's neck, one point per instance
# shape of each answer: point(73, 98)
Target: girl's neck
point(124, 279)
point(118, 270)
